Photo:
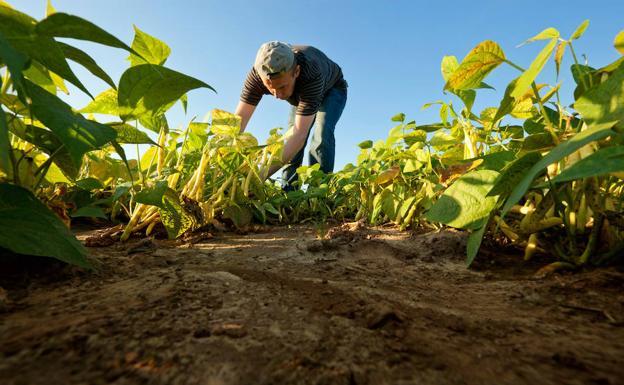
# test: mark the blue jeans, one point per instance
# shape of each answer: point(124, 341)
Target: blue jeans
point(323, 145)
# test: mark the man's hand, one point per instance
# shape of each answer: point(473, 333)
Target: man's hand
point(245, 111)
point(295, 142)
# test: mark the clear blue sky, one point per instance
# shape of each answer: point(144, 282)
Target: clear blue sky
point(389, 51)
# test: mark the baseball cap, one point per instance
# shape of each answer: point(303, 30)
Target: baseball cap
point(274, 58)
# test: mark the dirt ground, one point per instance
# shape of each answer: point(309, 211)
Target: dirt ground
point(280, 306)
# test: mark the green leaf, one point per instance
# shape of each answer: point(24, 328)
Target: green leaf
point(400, 117)
point(601, 162)
point(153, 196)
point(39, 75)
point(442, 140)
point(497, 160)
point(82, 58)
point(64, 25)
point(465, 203)
point(556, 154)
point(173, 216)
point(479, 62)
point(538, 142)
point(580, 30)
point(89, 184)
point(524, 81)
point(129, 134)
point(152, 50)
point(104, 103)
point(548, 33)
point(16, 63)
point(240, 216)
point(366, 144)
point(513, 173)
point(79, 135)
point(148, 89)
point(90, 212)
point(448, 66)
point(618, 42)
point(603, 105)
point(46, 141)
point(474, 243)
point(5, 145)
point(28, 227)
point(507, 103)
point(19, 30)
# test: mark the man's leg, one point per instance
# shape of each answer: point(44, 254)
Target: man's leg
point(323, 145)
point(289, 175)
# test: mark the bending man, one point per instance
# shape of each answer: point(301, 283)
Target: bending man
point(314, 85)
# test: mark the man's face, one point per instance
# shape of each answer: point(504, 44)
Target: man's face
point(282, 86)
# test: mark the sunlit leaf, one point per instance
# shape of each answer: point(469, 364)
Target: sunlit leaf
point(151, 49)
point(78, 134)
point(448, 66)
point(579, 30)
point(618, 42)
point(50, 8)
point(559, 52)
point(524, 81)
point(104, 103)
point(130, 134)
point(225, 123)
point(149, 89)
point(479, 62)
point(548, 33)
point(400, 117)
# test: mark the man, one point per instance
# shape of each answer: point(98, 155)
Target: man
point(313, 85)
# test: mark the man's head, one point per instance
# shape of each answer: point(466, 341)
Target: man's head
point(277, 67)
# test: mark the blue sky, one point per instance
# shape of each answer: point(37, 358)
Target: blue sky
point(390, 51)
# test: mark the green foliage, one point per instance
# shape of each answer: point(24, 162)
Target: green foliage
point(28, 227)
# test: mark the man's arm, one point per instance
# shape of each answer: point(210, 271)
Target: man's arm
point(295, 142)
point(244, 110)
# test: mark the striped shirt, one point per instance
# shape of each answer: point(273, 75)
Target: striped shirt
point(317, 76)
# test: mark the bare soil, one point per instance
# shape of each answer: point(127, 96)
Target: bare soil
point(281, 306)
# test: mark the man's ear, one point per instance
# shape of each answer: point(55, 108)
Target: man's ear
point(297, 71)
